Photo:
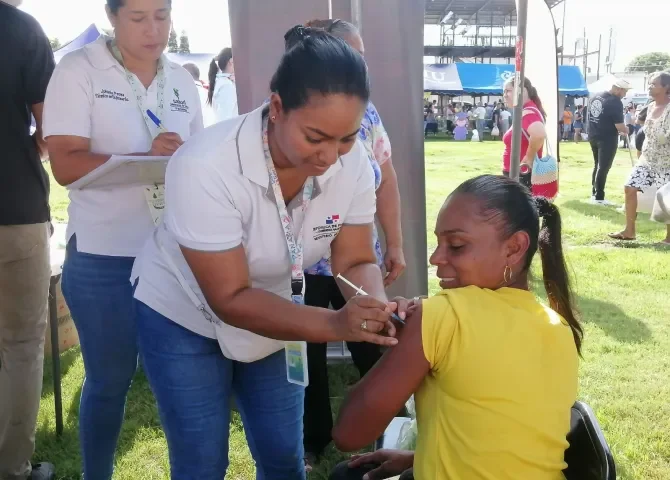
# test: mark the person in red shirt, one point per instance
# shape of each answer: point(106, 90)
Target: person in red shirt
point(534, 132)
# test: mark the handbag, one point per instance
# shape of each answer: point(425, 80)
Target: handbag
point(544, 177)
point(661, 211)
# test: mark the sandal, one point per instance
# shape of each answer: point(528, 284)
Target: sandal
point(620, 236)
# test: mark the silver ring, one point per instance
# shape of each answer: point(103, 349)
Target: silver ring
point(364, 325)
point(417, 299)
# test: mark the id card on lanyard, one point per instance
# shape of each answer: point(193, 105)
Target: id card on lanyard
point(296, 352)
point(154, 194)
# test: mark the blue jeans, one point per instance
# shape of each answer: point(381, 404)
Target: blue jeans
point(481, 126)
point(193, 383)
point(98, 292)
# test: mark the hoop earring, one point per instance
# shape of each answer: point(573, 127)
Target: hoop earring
point(508, 275)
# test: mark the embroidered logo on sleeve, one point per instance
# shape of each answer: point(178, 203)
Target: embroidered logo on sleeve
point(112, 95)
point(329, 230)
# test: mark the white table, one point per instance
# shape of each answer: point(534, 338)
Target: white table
point(57, 255)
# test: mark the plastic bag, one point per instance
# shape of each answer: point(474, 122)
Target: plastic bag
point(495, 132)
point(475, 135)
point(408, 432)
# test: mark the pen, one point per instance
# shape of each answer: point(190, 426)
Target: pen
point(158, 123)
point(360, 291)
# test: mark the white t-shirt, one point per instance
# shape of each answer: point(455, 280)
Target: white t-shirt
point(480, 112)
point(208, 116)
point(505, 114)
point(224, 101)
point(89, 96)
point(218, 197)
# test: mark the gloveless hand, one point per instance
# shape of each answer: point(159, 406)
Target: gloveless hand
point(365, 319)
point(165, 144)
point(391, 463)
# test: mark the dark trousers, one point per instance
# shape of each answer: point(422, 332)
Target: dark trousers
point(343, 472)
point(322, 291)
point(604, 152)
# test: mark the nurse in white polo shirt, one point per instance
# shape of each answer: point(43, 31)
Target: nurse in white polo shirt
point(249, 203)
point(95, 107)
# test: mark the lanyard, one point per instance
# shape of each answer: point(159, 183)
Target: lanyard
point(138, 89)
point(295, 243)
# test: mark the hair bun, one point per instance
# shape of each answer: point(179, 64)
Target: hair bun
point(544, 207)
point(297, 33)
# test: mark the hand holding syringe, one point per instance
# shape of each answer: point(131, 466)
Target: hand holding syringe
point(360, 291)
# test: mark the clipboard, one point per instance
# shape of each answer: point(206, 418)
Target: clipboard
point(122, 170)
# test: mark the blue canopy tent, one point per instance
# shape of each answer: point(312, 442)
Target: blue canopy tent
point(489, 79)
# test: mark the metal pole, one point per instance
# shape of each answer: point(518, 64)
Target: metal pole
point(357, 14)
point(330, 9)
point(453, 38)
point(563, 32)
point(586, 60)
point(519, 79)
point(600, 46)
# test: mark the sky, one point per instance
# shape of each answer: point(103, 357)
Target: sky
point(640, 26)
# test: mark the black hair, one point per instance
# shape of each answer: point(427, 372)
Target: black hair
point(220, 62)
point(516, 210)
point(114, 5)
point(642, 114)
point(193, 69)
point(318, 62)
point(532, 94)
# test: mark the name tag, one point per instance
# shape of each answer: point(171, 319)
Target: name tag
point(155, 196)
point(296, 363)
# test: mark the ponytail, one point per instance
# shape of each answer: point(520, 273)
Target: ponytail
point(218, 63)
point(213, 70)
point(555, 274)
point(532, 94)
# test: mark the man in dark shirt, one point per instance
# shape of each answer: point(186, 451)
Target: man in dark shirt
point(27, 63)
point(605, 125)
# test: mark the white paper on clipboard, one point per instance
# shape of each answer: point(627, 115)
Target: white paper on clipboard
point(122, 170)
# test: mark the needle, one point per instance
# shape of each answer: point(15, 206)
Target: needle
point(361, 292)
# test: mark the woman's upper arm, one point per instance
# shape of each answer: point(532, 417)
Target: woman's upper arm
point(537, 130)
point(69, 101)
point(379, 396)
point(381, 144)
point(352, 246)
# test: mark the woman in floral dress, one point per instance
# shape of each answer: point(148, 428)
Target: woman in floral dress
point(653, 169)
point(321, 287)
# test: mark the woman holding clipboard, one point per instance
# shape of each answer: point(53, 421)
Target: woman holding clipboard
point(96, 107)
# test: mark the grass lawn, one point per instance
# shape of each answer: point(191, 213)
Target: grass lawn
point(622, 292)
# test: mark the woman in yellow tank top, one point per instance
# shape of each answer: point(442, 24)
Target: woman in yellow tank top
point(493, 370)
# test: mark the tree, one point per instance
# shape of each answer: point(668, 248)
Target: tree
point(184, 46)
point(650, 62)
point(173, 45)
point(55, 43)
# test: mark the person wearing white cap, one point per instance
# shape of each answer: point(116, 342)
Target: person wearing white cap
point(606, 123)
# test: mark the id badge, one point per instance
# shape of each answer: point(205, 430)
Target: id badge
point(155, 196)
point(296, 363)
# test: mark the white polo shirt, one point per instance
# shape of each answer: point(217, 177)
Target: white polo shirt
point(218, 197)
point(89, 96)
